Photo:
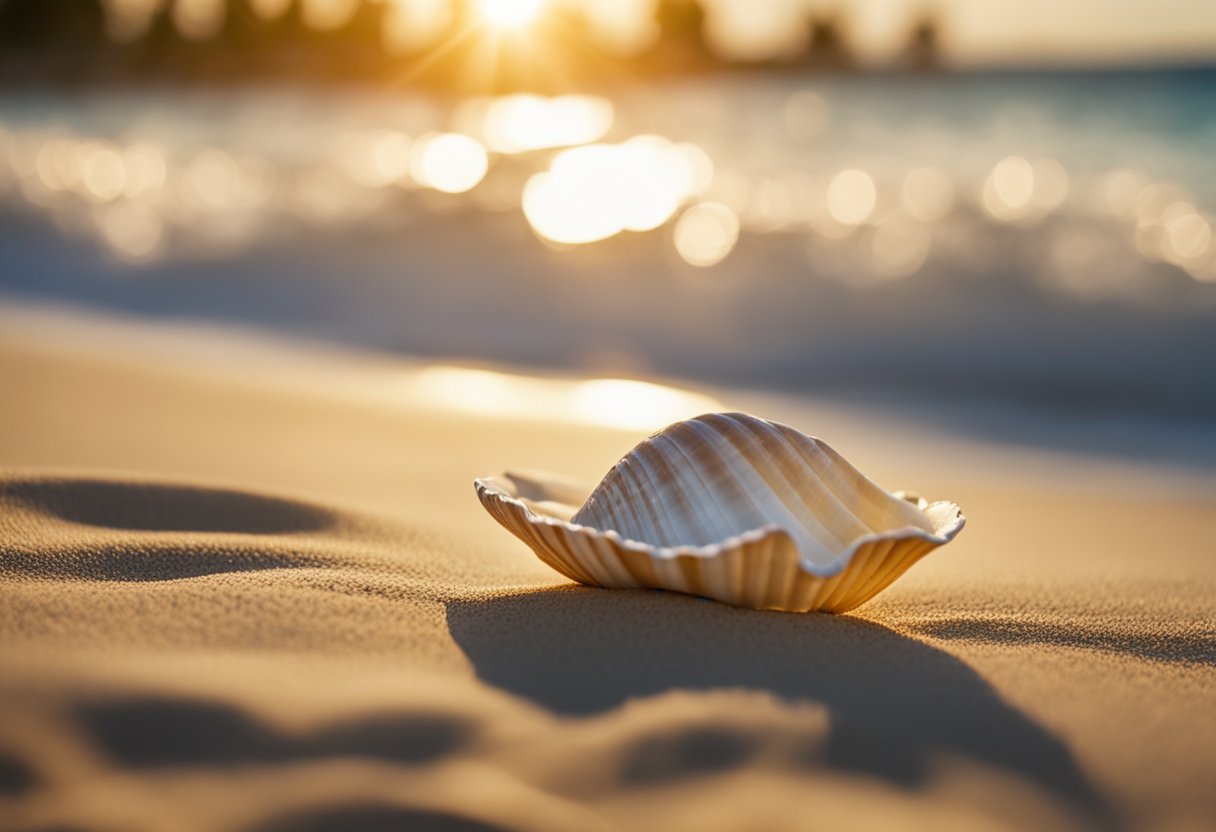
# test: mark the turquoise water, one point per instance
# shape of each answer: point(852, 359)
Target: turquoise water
point(1044, 240)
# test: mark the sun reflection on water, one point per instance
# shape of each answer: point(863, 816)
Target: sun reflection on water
point(523, 122)
point(448, 162)
point(596, 191)
point(706, 233)
point(376, 158)
point(568, 164)
point(1009, 189)
point(852, 197)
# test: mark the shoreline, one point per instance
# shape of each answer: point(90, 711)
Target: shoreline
point(238, 351)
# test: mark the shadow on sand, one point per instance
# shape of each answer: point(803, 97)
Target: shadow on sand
point(895, 704)
point(163, 507)
point(251, 523)
point(378, 819)
point(161, 731)
point(155, 733)
point(1198, 647)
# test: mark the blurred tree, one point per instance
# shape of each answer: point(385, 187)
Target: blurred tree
point(355, 49)
point(923, 52)
point(162, 36)
point(60, 24)
point(828, 48)
point(681, 45)
point(292, 25)
point(365, 26)
point(243, 27)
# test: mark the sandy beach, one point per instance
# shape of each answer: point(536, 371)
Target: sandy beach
point(246, 586)
point(281, 280)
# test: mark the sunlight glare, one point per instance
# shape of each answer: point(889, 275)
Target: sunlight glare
point(510, 14)
point(635, 405)
point(625, 404)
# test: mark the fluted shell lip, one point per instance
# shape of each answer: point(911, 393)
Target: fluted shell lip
point(491, 489)
point(757, 566)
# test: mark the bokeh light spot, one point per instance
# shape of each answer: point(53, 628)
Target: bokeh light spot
point(448, 162)
point(102, 172)
point(1008, 189)
point(927, 193)
point(852, 196)
point(706, 233)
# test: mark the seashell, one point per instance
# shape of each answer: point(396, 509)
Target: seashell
point(731, 507)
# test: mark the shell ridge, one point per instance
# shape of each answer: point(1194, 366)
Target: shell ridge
point(714, 440)
point(893, 508)
point(547, 540)
point(665, 522)
point(822, 588)
point(608, 559)
point(804, 590)
point(833, 543)
point(783, 582)
point(587, 556)
point(893, 567)
point(870, 563)
point(583, 556)
point(756, 578)
point(861, 567)
point(818, 455)
point(641, 493)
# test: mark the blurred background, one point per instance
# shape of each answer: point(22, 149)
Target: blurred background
point(995, 212)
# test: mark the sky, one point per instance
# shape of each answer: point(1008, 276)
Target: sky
point(974, 32)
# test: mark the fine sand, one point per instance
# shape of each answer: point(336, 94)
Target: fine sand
point(246, 586)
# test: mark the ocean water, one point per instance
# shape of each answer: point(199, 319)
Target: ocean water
point(1027, 240)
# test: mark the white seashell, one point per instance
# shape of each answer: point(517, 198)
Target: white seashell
point(730, 507)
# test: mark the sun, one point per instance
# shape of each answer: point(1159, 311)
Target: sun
point(510, 14)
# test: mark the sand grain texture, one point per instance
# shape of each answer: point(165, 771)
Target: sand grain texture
point(227, 605)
